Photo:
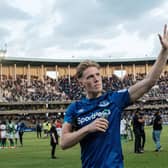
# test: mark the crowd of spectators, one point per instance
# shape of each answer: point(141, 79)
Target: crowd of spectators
point(22, 90)
point(65, 88)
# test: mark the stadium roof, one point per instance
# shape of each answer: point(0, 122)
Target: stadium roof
point(46, 61)
point(79, 60)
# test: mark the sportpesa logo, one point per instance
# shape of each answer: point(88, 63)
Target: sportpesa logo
point(105, 113)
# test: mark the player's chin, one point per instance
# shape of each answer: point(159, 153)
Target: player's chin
point(98, 90)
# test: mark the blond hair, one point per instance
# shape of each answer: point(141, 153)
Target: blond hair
point(84, 65)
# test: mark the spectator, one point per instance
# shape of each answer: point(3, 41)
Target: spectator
point(21, 127)
point(11, 131)
point(38, 129)
point(157, 128)
point(123, 129)
point(142, 131)
point(137, 132)
point(53, 139)
point(3, 129)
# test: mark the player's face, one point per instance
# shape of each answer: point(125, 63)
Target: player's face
point(92, 82)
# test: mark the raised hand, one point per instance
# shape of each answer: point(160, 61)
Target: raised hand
point(164, 39)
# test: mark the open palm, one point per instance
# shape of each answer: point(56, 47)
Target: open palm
point(164, 38)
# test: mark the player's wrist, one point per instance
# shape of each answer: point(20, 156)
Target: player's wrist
point(164, 51)
point(86, 129)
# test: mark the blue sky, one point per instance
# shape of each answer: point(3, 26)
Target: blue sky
point(56, 29)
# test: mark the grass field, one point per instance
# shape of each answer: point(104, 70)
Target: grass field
point(36, 154)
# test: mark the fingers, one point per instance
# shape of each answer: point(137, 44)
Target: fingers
point(164, 39)
point(101, 124)
point(103, 121)
point(101, 128)
point(165, 31)
point(160, 38)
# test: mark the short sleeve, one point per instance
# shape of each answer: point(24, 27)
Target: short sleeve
point(70, 113)
point(122, 98)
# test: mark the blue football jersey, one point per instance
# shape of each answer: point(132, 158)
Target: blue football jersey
point(100, 149)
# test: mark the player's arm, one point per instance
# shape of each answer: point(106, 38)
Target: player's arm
point(137, 90)
point(70, 138)
point(54, 138)
point(160, 121)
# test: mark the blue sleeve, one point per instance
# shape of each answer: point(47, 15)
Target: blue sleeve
point(70, 113)
point(122, 98)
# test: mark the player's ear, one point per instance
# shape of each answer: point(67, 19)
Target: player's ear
point(80, 82)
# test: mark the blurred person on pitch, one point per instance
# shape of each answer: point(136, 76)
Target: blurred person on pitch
point(123, 128)
point(58, 126)
point(138, 131)
point(11, 132)
point(38, 129)
point(96, 118)
point(53, 139)
point(3, 132)
point(143, 134)
point(21, 128)
point(157, 129)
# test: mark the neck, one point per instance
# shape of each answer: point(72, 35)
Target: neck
point(93, 95)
